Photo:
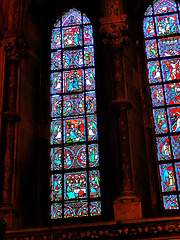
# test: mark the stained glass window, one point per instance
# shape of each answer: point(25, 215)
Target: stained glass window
point(74, 154)
point(162, 44)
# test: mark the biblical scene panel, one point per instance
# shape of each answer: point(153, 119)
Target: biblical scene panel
point(93, 153)
point(167, 177)
point(90, 79)
point(92, 127)
point(151, 48)
point(154, 72)
point(56, 131)
point(174, 119)
point(157, 95)
point(75, 157)
point(56, 39)
point(164, 6)
point(56, 159)
point(172, 93)
point(56, 83)
point(169, 46)
point(73, 105)
point(163, 147)
point(72, 37)
point(171, 69)
point(73, 81)
point(56, 187)
point(56, 60)
point(94, 184)
point(175, 141)
point(149, 29)
point(56, 106)
point(72, 59)
point(160, 120)
point(76, 209)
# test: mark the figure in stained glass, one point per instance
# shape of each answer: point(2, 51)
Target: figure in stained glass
point(172, 93)
point(92, 127)
point(56, 60)
point(90, 79)
point(151, 48)
point(56, 83)
point(74, 130)
point(174, 119)
point(56, 159)
point(169, 46)
point(75, 185)
point(166, 25)
point(157, 95)
point(75, 157)
point(149, 11)
point(171, 69)
point(163, 147)
point(56, 131)
point(177, 170)
point(56, 105)
point(73, 81)
point(93, 155)
point(149, 30)
point(89, 56)
point(154, 72)
point(90, 102)
point(170, 202)
point(56, 187)
point(72, 37)
point(73, 105)
point(88, 35)
point(164, 6)
point(56, 39)
point(94, 184)
point(175, 141)
point(160, 120)
point(167, 177)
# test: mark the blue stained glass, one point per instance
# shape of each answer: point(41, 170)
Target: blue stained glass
point(74, 130)
point(75, 157)
point(160, 120)
point(56, 131)
point(73, 105)
point(73, 17)
point(93, 152)
point(172, 93)
point(89, 56)
point(94, 183)
point(88, 35)
point(95, 208)
point(56, 159)
point(90, 79)
point(154, 72)
point(57, 24)
point(73, 81)
point(75, 185)
point(167, 24)
point(169, 46)
point(163, 148)
point(56, 211)
point(90, 102)
point(92, 127)
point(56, 60)
point(56, 187)
point(56, 39)
point(85, 19)
point(174, 119)
point(170, 202)
point(175, 141)
point(149, 29)
point(171, 69)
point(149, 11)
point(72, 59)
point(164, 6)
point(56, 83)
point(177, 170)
point(74, 209)
point(56, 106)
point(151, 48)
point(72, 37)
point(157, 95)
point(167, 177)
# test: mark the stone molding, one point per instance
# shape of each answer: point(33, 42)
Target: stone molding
point(102, 232)
point(111, 8)
point(16, 48)
point(119, 104)
point(114, 31)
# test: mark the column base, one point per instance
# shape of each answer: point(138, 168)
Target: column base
point(127, 207)
point(11, 216)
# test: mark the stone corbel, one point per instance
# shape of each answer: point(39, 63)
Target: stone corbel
point(114, 31)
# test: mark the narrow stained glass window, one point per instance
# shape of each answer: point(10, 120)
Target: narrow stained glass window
point(74, 154)
point(162, 44)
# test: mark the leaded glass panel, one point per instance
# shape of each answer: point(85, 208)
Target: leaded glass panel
point(75, 175)
point(162, 45)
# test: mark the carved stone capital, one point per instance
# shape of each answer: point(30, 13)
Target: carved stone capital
point(114, 31)
point(121, 104)
point(16, 48)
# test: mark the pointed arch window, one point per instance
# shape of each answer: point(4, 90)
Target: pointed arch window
point(75, 174)
point(162, 44)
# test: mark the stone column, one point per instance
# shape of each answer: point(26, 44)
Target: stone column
point(10, 117)
point(114, 36)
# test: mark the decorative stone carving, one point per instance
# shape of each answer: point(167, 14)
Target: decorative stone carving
point(114, 31)
point(111, 8)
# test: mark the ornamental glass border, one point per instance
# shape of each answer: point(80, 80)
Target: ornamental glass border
point(161, 26)
point(74, 149)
